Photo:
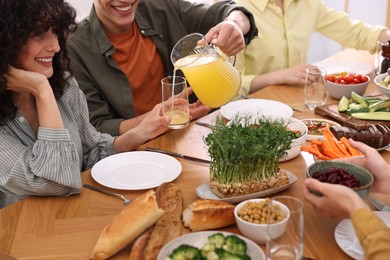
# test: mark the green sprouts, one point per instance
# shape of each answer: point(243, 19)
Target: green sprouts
point(247, 149)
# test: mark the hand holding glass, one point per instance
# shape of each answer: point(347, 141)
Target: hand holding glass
point(175, 101)
point(315, 88)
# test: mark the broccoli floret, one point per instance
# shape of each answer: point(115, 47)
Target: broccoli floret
point(235, 245)
point(226, 255)
point(217, 239)
point(186, 252)
point(208, 252)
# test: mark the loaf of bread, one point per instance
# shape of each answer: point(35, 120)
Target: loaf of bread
point(168, 227)
point(132, 221)
point(208, 214)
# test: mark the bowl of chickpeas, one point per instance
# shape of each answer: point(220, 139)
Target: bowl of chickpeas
point(259, 219)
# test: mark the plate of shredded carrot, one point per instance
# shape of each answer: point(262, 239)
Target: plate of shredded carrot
point(330, 148)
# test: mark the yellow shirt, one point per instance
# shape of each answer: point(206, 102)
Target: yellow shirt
point(373, 234)
point(284, 38)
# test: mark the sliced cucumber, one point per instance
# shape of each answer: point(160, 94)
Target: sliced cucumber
point(359, 99)
point(355, 106)
point(343, 104)
point(381, 116)
point(372, 100)
point(378, 105)
point(351, 111)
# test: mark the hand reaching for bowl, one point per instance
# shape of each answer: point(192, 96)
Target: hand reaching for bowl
point(373, 162)
point(337, 200)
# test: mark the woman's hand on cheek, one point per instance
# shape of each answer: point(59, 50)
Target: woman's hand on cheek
point(19, 80)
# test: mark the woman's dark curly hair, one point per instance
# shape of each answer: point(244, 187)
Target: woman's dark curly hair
point(22, 19)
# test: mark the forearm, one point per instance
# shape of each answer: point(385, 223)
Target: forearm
point(129, 141)
point(128, 124)
point(48, 112)
point(261, 81)
point(241, 20)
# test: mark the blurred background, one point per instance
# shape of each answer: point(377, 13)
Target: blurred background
point(373, 12)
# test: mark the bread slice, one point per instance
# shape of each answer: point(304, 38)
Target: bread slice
point(132, 221)
point(168, 227)
point(208, 214)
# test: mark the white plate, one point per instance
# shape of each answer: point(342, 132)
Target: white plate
point(253, 107)
point(204, 192)
point(348, 66)
point(136, 170)
point(198, 239)
point(346, 237)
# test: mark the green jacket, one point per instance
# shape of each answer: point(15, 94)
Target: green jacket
point(106, 87)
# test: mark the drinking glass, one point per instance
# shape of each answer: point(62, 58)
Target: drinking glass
point(175, 101)
point(378, 57)
point(315, 88)
point(288, 246)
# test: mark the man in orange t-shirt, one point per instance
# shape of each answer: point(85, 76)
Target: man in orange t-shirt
point(121, 51)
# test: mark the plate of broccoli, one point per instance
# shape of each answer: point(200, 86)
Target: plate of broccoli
point(211, 245)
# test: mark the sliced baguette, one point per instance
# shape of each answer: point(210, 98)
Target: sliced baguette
point(132, 221)
point(208, 214)
point(168, 227)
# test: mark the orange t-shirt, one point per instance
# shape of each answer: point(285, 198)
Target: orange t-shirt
point(138, 58)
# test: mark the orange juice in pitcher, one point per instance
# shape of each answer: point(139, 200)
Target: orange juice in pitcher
point(212, 77)
point(214, 80)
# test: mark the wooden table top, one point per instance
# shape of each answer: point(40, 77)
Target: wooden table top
point(68, 227)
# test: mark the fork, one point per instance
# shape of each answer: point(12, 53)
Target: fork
point(126, 201)
point(377, 204)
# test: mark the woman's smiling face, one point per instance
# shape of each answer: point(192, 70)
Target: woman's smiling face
point(116, 15)
point(38, 52)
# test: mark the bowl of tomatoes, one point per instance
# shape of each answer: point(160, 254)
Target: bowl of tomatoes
point(343, 83)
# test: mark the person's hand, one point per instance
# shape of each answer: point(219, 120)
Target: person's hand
point(19, 81)
point(375, 163)
point(154, 124)
point(151, 126)
point(198, 110)
point(337, 200)
point(229, 34)
point(293, 76)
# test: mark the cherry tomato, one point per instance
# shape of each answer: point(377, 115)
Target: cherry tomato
point(364, 79)
point(346, 78)
point(356, 81)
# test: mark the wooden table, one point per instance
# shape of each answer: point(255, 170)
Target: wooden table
point(68, 227)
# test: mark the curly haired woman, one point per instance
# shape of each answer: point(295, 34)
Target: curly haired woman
point(45, 135)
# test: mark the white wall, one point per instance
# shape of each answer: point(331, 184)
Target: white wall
point(83, 7)
point(374, 14)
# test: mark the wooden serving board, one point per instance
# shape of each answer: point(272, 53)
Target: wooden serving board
point(331, 111)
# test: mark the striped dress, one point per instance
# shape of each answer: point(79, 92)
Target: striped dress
point(49, 163)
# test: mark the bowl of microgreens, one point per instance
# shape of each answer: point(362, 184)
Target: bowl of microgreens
point(245, 154)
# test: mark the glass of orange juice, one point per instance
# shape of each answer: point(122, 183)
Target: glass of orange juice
point(175, 101)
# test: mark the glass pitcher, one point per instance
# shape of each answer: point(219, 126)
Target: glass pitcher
point(209, 72)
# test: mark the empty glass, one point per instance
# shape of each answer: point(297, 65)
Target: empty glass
point(288, 246)
point(315, 87)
